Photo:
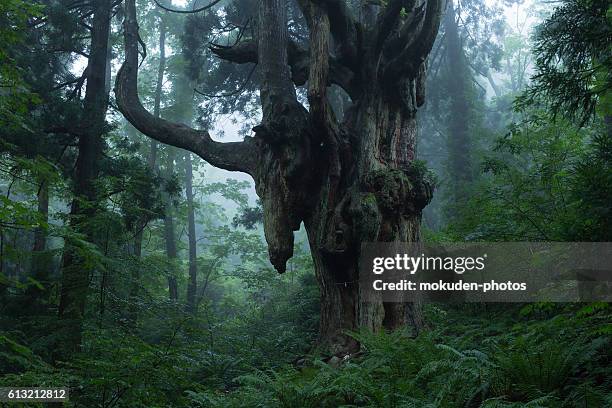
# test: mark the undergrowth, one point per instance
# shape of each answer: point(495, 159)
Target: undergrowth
point(487, 356)
point(486, 359)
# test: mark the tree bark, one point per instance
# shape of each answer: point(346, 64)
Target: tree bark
point(183, 99)
point(75, 274)
point(379, 199)
point(169, 232)
point(158, 86)
point(192, 284)
point(40, 258)
point(459, 143)
point(152, 165)
point(349, 182)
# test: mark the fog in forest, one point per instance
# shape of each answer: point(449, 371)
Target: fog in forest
point(186, 187)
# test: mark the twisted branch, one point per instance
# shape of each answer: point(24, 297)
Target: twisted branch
point(235, 156)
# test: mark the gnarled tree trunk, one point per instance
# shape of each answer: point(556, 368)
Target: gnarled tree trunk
point(349, 181)
point(378, 200)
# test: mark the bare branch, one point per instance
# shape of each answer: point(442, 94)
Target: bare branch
point(241, 53)
point(79, 52)
point(203, 8)
point(343, 26)
point(344, 29)
point(246, 52)
point(77, 80)
point(421, 47)
point(235, 156)
point(318, 75)
point(389, 18)
point(409, 60)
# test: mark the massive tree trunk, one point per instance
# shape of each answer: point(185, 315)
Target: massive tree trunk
point(350, 182)
point(379, 198)
point(40, 234)
point(75, 273)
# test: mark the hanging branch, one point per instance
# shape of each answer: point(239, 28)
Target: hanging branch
point(233, 156)
point(208, 6)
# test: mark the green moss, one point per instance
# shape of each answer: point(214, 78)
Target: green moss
point(390, 186)
point(364, 209)
point(418, 171)
point(402, 191)
point(368, 200)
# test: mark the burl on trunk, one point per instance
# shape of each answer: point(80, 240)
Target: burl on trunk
point(349, 181)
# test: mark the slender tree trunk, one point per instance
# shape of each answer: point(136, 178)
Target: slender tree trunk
point(40, 235)
point(159, 86)
point(184, 113)
point(192, 285)
point(184, 97)
point(135, 275)
point(152, 165)
point(75, 274)
point(3, 287)
point(494, 86)
point(40, 259)
point(169, 232)
point(459, 143)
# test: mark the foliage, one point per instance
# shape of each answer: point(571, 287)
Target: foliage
point(251, 340)
point(529, 364)
point(573, 60)
point(547, 181)
point(15, 97)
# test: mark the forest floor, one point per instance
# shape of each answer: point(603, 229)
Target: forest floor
point(536, 355)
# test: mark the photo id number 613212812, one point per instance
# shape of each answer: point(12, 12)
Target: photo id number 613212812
point(33, 394)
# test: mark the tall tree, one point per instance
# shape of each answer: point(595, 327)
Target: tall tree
point(40, 258)
point(35, 103)
point(169, 229)
point(182, 112)
point(349, 182)
point(159, 85)
point(458, 82)
point(192, 283)
point(152, 164)
point(465, 52)
point(75, 274)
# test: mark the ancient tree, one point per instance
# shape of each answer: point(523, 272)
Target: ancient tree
point(349, 181)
